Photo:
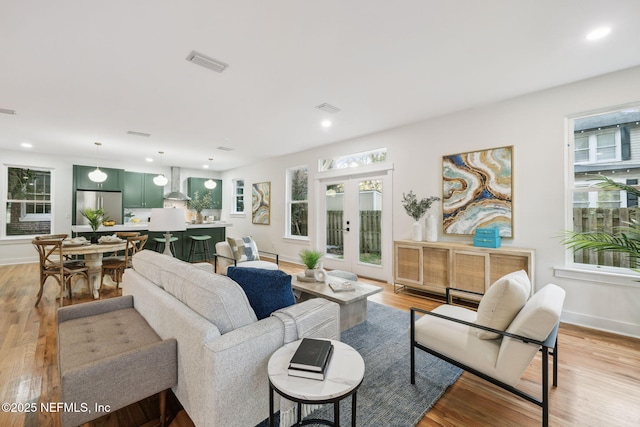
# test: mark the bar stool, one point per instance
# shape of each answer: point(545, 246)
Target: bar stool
point(204, 247)
point(161, 241)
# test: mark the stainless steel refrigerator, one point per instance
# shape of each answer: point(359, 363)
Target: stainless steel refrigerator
point(109, 201)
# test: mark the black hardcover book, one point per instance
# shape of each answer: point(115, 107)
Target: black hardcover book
point(311, 355)
point(315, 375)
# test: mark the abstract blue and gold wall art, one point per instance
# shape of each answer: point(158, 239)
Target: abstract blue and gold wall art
point(477, 191)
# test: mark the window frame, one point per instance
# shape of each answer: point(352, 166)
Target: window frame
point(235, 196)
point(571, 268)
point(290, 202)
point(28, 217)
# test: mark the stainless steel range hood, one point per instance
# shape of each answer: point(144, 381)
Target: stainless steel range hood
point(175, 187)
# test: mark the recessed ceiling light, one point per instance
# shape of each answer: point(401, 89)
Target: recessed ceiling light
point(598, 33)
point(326, 123)
point(149, 159)
point(26, 145)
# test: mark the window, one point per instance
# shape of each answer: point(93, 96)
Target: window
point(238, 196)
point(597, 146)
point(298, 205)
point(605, 144)
point(352, 160)
point(28, 197)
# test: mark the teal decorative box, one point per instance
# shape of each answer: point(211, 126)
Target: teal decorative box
point(487, 238)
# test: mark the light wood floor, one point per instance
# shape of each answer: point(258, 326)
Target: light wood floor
point(599, 373)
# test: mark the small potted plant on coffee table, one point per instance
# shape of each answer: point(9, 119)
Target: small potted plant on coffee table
point(310, 259)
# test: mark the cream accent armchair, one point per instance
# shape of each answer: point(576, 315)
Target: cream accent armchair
point(223, 259)
point(466, 338)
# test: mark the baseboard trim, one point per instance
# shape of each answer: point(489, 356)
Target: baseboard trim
point(601, 324)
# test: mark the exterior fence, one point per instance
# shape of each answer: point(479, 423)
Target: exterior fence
point(370, 226)
point(603, 220)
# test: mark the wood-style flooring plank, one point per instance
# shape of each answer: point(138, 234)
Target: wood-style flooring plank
point(599, 379)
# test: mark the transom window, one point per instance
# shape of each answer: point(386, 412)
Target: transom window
point(352, 160)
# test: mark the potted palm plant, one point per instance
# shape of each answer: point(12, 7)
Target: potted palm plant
point(95, 218)
point(310, 259)
point(625, 239)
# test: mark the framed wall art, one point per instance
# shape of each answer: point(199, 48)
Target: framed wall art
point(261, 203)
point(477, 191)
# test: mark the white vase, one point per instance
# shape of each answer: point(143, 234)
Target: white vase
point(432, 229)
point(416, 231)
point(320, 274)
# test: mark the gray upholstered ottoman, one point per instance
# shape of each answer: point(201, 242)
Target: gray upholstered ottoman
point(109, 357)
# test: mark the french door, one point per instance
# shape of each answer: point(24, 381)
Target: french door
point(355, 224)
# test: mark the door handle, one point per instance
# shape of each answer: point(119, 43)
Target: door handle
point(347, 229)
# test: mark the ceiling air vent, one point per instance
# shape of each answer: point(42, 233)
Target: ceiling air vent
point(132, 132)
point(206, 61)
point(6, 111)
point(328, 108)
point(225, 148)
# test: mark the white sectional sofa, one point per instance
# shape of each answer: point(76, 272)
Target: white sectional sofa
point(223, 349)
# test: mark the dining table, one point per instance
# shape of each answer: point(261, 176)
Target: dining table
point(93, 254)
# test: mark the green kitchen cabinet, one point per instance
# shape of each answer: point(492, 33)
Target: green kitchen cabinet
point(114, 181)
point(141, 192)
point(197, 184)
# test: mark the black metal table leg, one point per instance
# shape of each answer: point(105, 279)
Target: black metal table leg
point(336, 413)
point(271, 417)
point(353, 409)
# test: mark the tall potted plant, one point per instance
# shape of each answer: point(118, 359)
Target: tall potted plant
point(416, 209)
point(95, 218)
point(625, 239)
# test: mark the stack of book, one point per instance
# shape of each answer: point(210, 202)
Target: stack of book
point(311, 359)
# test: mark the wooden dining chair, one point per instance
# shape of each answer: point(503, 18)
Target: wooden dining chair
point(53, 264)
point(114, 266)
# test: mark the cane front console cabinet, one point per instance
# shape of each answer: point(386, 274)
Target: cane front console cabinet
point(434, 266)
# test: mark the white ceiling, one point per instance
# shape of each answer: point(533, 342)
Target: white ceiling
point(83, 71)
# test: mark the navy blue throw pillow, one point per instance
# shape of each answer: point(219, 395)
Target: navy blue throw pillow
point(267, 290)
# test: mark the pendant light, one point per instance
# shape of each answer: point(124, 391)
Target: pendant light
point(210, 183)
point(160, 180)
point(97, 175)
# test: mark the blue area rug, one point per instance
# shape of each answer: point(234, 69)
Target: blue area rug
point(386, 396)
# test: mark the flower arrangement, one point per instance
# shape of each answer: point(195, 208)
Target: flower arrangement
point(415, 208)
point(199, 204)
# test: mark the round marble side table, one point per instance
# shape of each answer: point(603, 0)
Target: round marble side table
point(342, 379)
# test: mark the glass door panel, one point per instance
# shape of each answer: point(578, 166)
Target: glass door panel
point(370, 222)
point(334, 218)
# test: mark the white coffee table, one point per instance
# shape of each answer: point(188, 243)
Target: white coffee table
point(353, 305)
point(342, 379)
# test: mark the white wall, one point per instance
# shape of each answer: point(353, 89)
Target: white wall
point(20, 250)
point(535, 125)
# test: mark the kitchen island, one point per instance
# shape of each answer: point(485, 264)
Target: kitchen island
point(217, 231)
